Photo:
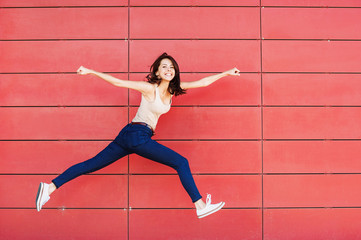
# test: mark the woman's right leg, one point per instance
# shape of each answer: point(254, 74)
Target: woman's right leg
point(110, 154)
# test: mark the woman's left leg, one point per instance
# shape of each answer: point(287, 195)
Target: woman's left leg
point(160, 153)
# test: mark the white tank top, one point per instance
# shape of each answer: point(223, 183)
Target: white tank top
point(149, 112)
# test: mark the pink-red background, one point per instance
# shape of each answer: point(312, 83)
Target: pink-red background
point(280, 144)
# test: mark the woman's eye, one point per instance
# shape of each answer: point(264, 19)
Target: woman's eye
point(164, 66)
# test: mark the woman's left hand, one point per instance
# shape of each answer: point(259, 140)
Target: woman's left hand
point(233, 72)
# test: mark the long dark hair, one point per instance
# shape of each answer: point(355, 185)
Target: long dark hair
point(174, 85)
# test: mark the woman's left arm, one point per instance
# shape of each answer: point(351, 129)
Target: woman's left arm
point(204, 82)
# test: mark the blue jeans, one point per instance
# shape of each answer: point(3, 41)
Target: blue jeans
point(134, 139)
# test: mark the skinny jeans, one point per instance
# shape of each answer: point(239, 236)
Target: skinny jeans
point(134, 139)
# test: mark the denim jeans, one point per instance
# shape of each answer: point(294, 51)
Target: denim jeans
point(134, 139)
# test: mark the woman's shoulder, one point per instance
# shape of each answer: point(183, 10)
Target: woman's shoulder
point(150, 94)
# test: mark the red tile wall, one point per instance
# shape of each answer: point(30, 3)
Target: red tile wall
point(280, 144)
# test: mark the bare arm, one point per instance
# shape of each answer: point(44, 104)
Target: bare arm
point(204, 82)
point(141, 86)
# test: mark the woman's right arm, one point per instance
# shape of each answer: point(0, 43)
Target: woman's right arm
point(141, 86)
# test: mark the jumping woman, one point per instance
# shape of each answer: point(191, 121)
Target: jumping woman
point(163, 83)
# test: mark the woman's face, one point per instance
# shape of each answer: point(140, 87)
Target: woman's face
point(166, 70)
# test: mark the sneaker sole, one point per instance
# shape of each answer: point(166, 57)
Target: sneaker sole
point(213, 211)
point(39, 196)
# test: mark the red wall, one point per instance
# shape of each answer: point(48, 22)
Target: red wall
point(280, 144)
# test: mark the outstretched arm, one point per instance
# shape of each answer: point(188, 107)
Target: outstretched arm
point(141, 86)
point(204, 82)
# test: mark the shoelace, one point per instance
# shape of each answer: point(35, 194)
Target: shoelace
point(208, 201)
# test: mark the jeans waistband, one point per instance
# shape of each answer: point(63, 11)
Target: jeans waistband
point(144, 124)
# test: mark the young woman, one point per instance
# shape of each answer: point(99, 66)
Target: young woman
point(163, 83)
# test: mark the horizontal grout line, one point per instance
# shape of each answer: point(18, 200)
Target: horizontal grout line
point(308, 7)
point(126, 208)
point(185, 106)
point(133, 6)
point(316, 139)
point(46, 7)
point(128, 39)
point(186, 140)
point(297, 174)
point(113, 106)
point(135, 174)
point(184, 6)
point(68, 106)
point(297, 106)
point(264, 72)
point(192, 6)
point(193, 173)
point(225, 208)
point(74, 73)
point(94, 140)
point(312, 39)
point(295, 208)
point(242, 174)
point(63, 39)
point(181, 39)
point(42, 174)
point(229, 208)
point(183, 72)
point(311, 106)
point(56, 140)
point(255, 208)
point(131, 173)
point(145, 73)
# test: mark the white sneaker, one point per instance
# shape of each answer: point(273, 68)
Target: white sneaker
point(210, 208)
point(43, 195)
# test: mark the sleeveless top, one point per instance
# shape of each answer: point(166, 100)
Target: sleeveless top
point(149, 112)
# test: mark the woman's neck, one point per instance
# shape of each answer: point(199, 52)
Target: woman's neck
point(163, 87)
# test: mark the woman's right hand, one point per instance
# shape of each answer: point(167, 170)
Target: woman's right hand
point(83, 71)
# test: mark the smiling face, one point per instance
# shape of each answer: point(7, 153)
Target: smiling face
point(166, 70)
